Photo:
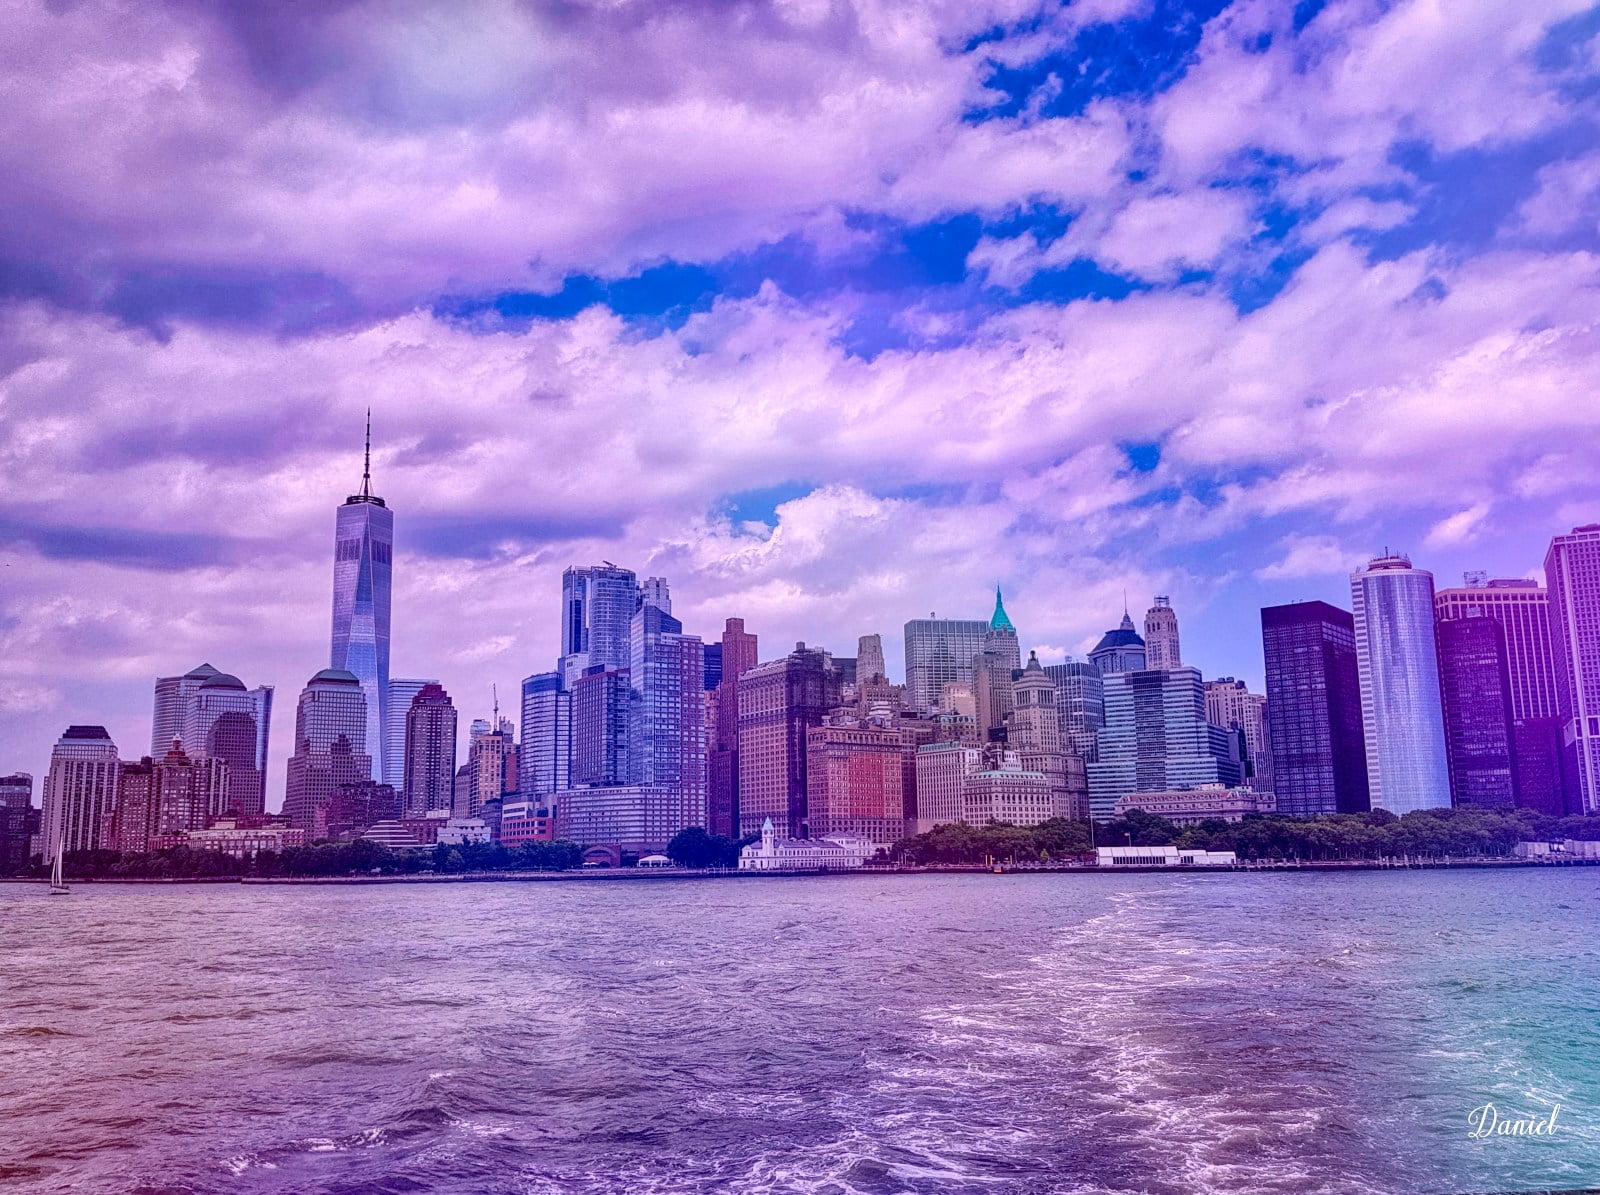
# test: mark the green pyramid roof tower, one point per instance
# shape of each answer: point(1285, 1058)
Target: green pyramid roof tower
point(1000, 621)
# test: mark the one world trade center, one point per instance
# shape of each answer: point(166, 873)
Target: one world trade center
point(363, 556)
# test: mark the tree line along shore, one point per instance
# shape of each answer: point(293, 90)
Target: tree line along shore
point(1463, 834)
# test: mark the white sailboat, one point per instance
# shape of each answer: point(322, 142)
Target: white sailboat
point(58, 886)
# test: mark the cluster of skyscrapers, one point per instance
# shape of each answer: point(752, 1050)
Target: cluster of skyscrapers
point(1485, 695)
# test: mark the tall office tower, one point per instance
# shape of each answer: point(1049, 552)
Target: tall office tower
point(363, 568)
point(492, 753)
point(738, 657)
point(1001, 637)
point(869, 659)
point(667, 670)
point(1230, 704)
point(79, 790)
point(602, 717)
point(1545, 780)
point(1157, 738)
point(1161, 635)
point(174, 793)
point(1080, 705)
point(1034, 733)
point(188, 708)
point(654, 592)
point(711, 674)
point(1314, 730)
point(330, 746)
point(778, 703)
point(1397, 659)
point(19, 823)
point(860, 780)
point(174, 698)
point(16, 790)
point(1034, 724)
point(428, 751)
point(1522, 608)
point(226, 721)
point(1572, 570)
point(546, 762)
point(991, 692)
point(1119, 650)
point(402, 692)
point(597, 606)
point(1475, 694)
point(938, 651)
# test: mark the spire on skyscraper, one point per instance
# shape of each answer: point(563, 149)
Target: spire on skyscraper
point(366, 461)
point(366, 494)
point(1000, 621)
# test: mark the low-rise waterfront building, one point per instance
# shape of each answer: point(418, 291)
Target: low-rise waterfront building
point(229, 838)
point(395, 836)
point(773, 853)
point(1191, 806)
point(464, 831)
point(1161, 856)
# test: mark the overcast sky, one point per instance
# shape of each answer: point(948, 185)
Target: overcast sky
point(833, 314)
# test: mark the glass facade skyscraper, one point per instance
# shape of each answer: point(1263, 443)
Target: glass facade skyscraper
point(1397, 661)
point(402, 692)
point(188, 709)
point(1572, 570)
point(597, 605)
point(174, 695)
point(226, 721)
point(667, 670)
point(1319, 762)
point(545, 766)
point(1156, 738)
point(1080, 705)
point(938, 651)
point(330, 746)
point(363, 566)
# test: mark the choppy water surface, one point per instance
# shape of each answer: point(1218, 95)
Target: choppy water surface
point(962, 1033)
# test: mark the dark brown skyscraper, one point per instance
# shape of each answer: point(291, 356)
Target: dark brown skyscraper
point(1478, 731)
point(738, 657)
point(778, 703)
point(430, 751)
point(1314, 709)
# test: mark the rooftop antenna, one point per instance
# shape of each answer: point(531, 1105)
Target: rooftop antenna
point(366, 465)
point(495, 690)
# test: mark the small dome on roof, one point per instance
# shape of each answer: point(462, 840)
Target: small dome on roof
point(1121, 637)
point(223, 680)
point(338, 675)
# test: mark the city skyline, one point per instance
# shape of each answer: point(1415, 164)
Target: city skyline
point(1051, 311)
point(652, 603)
point(276, 779)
